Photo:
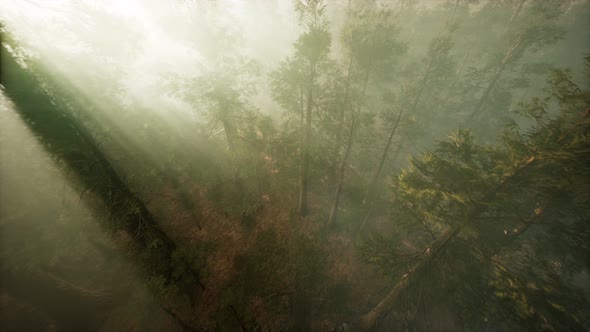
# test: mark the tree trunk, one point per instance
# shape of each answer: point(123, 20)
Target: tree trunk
point(423, 84)
point(304, 167)
point(457, 76)
point(230, 133)
point(384, 155)
point(336, 148)
point(367, 321)
point(416, 101)
point(524, 225)
point(486, 95)
point(64, 138)
point(334, 210)
point(516, 12)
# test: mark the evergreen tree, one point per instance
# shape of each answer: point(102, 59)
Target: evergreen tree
point(370, 39)
point(502, 205)
point(311, 54)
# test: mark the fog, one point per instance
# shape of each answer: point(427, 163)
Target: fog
point(307, 165)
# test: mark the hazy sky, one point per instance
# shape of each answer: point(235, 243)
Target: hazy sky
point(139, 42)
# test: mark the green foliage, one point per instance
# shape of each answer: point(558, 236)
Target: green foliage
point(520, 199)
point(495, 194)
point(311, 13)
point(371, 37)
point(439, 187)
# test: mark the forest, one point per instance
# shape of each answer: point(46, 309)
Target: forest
point(295, 165)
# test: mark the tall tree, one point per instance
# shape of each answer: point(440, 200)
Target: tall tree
point(482, 200)
point(222, 93)
point(436, 64)
point(534, 29)
point(156, 254)
point(370, 38)
point(302, 71)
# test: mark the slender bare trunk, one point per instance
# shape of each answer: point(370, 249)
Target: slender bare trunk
point(230, 133)
point(369, 193)
point(334, 209)
point(516, 12)
point(304, 168)
point(418, 96)
point(499, 71)
point(423, 84)
point(455, 81)
point(340, 124)
point(301, 127)
point(384, 154)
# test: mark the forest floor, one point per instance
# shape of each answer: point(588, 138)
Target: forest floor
point(261, 269)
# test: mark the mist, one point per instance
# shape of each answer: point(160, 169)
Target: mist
point(305, 165)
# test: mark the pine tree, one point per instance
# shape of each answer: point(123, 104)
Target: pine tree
point(495, 209)
point(370, 39)
point(302, 72)
point(537, 29)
